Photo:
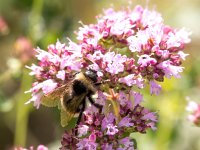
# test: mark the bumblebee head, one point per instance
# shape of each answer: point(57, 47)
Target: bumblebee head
point(92, 75)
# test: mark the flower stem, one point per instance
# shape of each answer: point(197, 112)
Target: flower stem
point(5, 76)
point(22, 110)
point(35, 19)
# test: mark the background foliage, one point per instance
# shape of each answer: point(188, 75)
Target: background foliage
point(43, 22)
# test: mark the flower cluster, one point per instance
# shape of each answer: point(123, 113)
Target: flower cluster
point(194, 109)
point(100, 131)
point(129, 48)
point(126, 47)
point(55, 67)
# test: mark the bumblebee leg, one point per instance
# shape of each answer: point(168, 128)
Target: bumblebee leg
point(95, 104)
point(81, 110)
point(97, 84)
point(78, 110)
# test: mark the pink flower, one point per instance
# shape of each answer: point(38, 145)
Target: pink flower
point(58, 48)
point(194, 109)
point(43, 56)
point(111, 129)
point(48, 86)
point(92, 137)
point(154, 88)
point(150, 18)
point(126, 122)
point(169, 69)
point(36, 87)
point(107, 146)
point(145, 60)
point(164, 54)
point(114, 62)
point(36, 70)
point(35, 99)
point(127, 143)
point(4, 29)
point(134, 44)
point(61, 75)
point(72, 62)
point(183, 35)
point(131, 80)
point(150, 116)
point(109, 119)
point(86, 144)
point(124, 99)
point(138, 98)
point(182, 55)
point(88, 118)
point(82, 130)
point(192, 106)
point(101, 99)
point(121, 26)
point(172, 40)
point(42, 147)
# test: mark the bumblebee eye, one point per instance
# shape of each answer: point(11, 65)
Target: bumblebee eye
point(92, 74)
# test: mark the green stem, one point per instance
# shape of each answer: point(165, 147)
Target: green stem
point(5, 76)
point(35, 19)
point(22, 110)
point(115, 108)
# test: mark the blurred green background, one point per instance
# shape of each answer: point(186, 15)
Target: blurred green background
point(30, 23)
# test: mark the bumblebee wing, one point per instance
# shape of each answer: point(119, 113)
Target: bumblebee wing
point(65, 117)
point(52, 99)
point(65, 114)
point(49, 102)
point(68, 111)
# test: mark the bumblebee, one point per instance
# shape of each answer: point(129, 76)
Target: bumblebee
point(71, 97)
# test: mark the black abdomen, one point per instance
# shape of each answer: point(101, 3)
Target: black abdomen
point(78, 87)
